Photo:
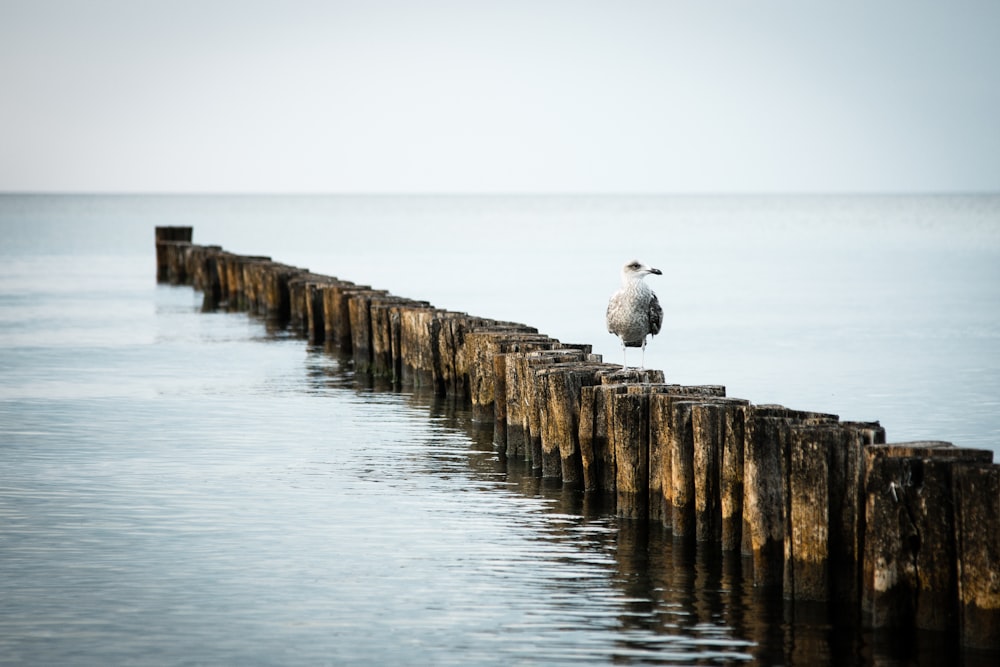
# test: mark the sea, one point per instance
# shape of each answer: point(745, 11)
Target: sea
point(185, 485)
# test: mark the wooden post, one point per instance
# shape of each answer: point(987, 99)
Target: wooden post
point(359, 308)
point(977, 543)
point(165, 235)
point(455, 350)
point(517, 400)
point(337, 314)
point(807, 528)
point(681, 445)
point(766, 496)
point(662, 443)
point(561, 417)
point(481, 346)
point(420, 346)
point(387, 358)
point(909, 569)
point(533, 364)
point(630, 438)
point(593, 437)
point(847, 514)
point(596, 417)
point(315, 312)
point(717, 430)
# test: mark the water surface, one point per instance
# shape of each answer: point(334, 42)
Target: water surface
point(189, 487)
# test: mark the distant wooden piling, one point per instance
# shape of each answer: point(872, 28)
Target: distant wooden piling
point(900, 535)
point(167, 255)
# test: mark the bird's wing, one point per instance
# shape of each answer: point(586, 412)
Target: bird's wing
point(612, 307)
point(655, 316)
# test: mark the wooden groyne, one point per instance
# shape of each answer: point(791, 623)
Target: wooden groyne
point(901, 535)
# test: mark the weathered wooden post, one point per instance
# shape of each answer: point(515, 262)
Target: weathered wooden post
point(977, 544)
point(807, 529)
point(717, 430)
point(663, 442)
point(511, 373)
point(421, 346)
point(766, 457)
point(277, 297)
point(592, 436)
point(386, 323)
point(481, 346)
point(596, 418)
point(203, 271)
point(315, 311)
point(532, 364)
point(165, 235)
point(359, 309)
point(561, 418)
point(337, 313)
point(630, 438)
point(847, 515)
point(909, 568)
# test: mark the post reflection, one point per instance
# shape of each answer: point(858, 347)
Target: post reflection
point(665, 600)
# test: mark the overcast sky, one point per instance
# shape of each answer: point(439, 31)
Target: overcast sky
point(506, 96)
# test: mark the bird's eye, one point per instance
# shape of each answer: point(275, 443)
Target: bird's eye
point(634, 265)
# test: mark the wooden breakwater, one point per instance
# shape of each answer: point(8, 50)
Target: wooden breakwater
point(902, 535)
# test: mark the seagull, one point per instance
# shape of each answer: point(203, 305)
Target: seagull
point(634, 312)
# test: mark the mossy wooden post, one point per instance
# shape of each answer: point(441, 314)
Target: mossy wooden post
point(909, 569)
point(717, 430)
point(977, 543)
point(165, 235)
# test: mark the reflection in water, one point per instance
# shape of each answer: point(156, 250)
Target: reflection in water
point(671, 600)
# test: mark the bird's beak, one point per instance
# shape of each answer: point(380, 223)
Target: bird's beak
point(656, 272)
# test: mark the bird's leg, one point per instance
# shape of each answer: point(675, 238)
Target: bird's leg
point(642, 367)
point(624, 357)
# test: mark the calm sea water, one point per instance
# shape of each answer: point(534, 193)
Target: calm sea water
point(188, 487)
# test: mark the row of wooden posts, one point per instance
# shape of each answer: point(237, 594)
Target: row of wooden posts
point(905, 535)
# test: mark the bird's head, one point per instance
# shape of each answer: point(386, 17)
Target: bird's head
point(636, 270)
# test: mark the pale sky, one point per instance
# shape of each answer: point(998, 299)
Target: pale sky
point(506, 96)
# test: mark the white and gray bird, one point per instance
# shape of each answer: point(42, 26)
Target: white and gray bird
point(634, 312)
